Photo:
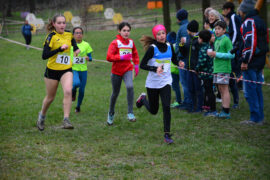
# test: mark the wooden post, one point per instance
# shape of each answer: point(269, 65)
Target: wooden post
point(177, 5)
point(205, 4)
point(166, 15)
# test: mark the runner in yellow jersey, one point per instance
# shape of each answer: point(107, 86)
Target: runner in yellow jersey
point(57, 48)
point(79, 66)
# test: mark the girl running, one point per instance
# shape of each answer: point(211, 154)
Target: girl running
point(79, 66)
point(57, 49)
point(157, 60)
point(121, 52)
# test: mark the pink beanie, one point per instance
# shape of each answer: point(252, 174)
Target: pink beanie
point(157, 28)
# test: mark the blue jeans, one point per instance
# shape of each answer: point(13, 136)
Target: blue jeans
point(176, 87)
point(253, 94)
point(196, 92)
point(79, 80)
point(183, 81)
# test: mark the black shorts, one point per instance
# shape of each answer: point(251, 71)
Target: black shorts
point(55, 74)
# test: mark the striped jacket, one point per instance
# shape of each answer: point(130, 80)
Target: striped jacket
point(254, 35)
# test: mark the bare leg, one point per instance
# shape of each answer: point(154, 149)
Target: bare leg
point(51, 88)
point(225, 95)
point(66, 82)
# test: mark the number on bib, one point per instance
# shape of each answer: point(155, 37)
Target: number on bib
point(78, 60)
point(125, 51)
point(63, 59)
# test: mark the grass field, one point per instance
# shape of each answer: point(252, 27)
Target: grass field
point(204, 148)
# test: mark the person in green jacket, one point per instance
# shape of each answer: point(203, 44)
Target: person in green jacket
point(222, 66)
point(79, 66)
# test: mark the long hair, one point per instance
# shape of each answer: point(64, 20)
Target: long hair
point(146, 41)
point(50, 26)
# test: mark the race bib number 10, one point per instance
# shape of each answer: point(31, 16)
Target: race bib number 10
point(63, 59)
point(78, 60)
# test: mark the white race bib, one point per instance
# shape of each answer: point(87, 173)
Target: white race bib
point(78, 60)
point(63, 59)
point(125, 51)
point(166, 67)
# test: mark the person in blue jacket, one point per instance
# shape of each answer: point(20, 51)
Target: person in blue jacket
point(182, 18)
point(26, 31)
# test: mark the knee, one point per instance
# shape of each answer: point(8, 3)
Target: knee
point(67, 92)
point(154, 111)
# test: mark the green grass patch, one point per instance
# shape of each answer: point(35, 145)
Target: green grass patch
point(204, 148)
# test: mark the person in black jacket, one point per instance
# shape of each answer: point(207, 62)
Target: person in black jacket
point(190, 50)
point(255, 47)
point(234, 23)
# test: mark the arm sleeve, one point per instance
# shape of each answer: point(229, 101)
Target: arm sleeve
point(74, 44)
point(250, 40)
point(178, 38)
point(174, 57)
point(47, 53)
point(89, 56)
point(144, 63)
point(227, 55)
point(135, 55)
point(113, 52)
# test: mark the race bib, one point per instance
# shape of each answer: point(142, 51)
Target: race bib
point(78, 60)
point(166, 64)
point(63, 59)
point(125, 51)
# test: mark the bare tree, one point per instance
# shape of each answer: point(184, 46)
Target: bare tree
point(205, 4)
point(166, 15)
point(177, 4)
point(32, 5)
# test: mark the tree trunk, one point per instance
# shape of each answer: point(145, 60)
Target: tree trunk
point(205, 4)
point(177, 5)
point(9, 14)
point(32, 5)
point(166, 15)
point(261, 5)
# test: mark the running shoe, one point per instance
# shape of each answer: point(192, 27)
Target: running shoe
point(110, 119)
point(131, 117)
point(41, 122)
point(223, 115)
point(175, 105)
point(211, 114)
point(67, 124)
point(139, 102)
point(77, 109)
point(168, 139)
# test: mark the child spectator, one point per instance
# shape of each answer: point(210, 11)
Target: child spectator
point(222, 66)
point(205, 69)
point(190, 50)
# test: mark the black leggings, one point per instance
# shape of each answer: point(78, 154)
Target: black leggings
point(152, 104)
point(209, 96)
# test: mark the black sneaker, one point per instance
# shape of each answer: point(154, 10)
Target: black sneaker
point(167, 138)
point(73, 95)
point(140, 99)
point(77, 109)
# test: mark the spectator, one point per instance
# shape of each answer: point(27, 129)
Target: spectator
point(255, 47)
